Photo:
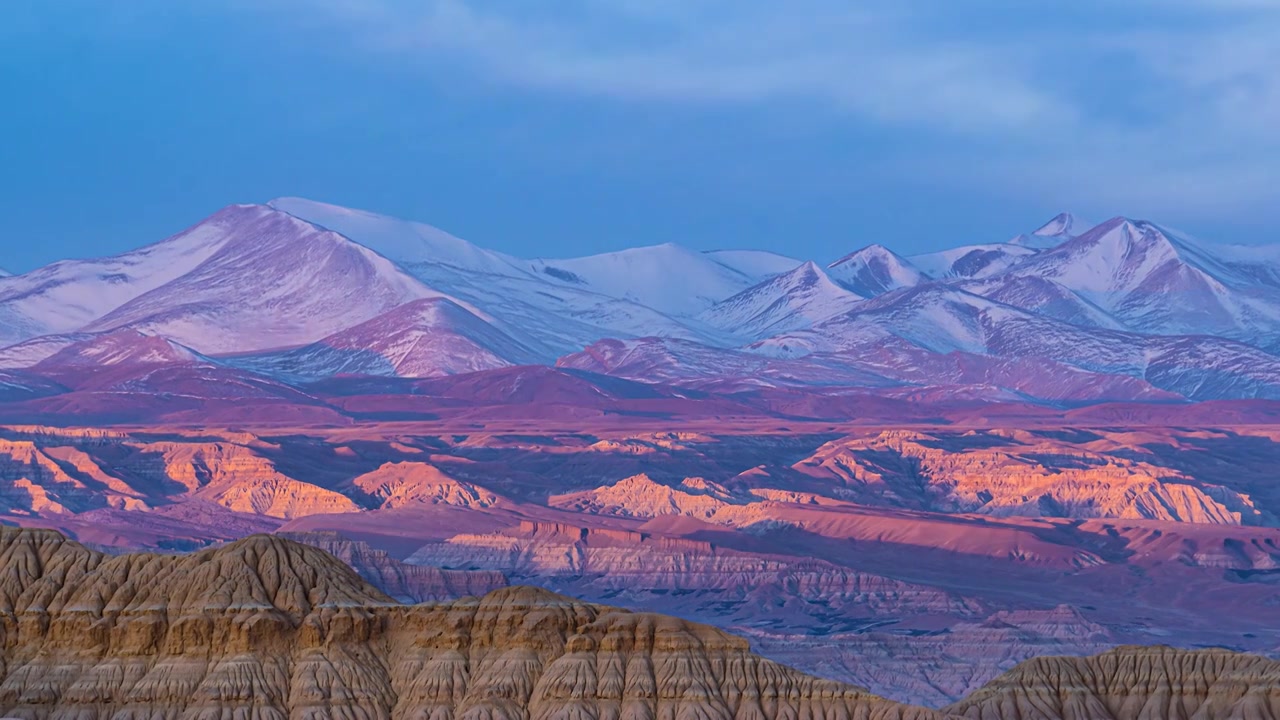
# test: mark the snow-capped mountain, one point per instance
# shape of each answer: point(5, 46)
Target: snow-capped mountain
point(1153, 280)
point(1044, 297)
point(274, 281)
point(671, 279)
point(295, 293)
point(553, 307)
point(971, 261)
point(5, 273)
point(892, 367)
point(1060, 229)
point(69, 295)
point(875, 270)
point(408, 243)
point(794, 300)
point(945, 320)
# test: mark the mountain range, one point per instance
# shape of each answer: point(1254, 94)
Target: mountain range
point(284, 296)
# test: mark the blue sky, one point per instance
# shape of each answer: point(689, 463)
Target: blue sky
point(810, 127)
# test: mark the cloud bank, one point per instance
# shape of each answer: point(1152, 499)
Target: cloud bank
point(1148, 106)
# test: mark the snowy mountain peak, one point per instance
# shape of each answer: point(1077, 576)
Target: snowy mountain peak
point(874, 270)
point(1063, 227)
point(273, 281)
point(1063, 224)
point(794, 300)
point(5, 273)
point(1124, 242)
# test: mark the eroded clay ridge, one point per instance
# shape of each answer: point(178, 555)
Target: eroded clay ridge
point(1132, 683)
point(267, 629)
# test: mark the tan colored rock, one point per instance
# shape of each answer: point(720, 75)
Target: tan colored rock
point(1025, 476)
point(406, 483)
point(1132, 683)
point(267, 629)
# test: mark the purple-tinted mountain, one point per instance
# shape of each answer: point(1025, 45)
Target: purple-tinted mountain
point(295, 293)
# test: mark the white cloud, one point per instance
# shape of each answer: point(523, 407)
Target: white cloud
point(1169, 105)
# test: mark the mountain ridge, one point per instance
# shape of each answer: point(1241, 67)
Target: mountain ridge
point(296, 291)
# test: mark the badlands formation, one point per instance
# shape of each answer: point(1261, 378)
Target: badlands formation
point(917, 562)
point(266, 629)
point(1132, 683)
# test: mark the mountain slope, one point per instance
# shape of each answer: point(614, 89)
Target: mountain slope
point(549, 309)
point(943, 319)
point(1060, 229)
point(29, 352)
point(971, 261)
point(892, 367)
point(275, 281)
point(121, 347)
point(1155, 281)
point(668, 278)
point(401, 240)
point(423, 338)
point(874, 270)
point(269, 628)
point(68, 295)
point(794, 300)
point(1043, 297)
point(755, 265)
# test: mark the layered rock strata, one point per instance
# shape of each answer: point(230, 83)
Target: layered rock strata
point(267, 629)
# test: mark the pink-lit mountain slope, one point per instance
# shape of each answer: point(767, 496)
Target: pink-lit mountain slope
point(275, 281)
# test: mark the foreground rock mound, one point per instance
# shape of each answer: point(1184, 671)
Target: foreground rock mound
point(266, 629)
point(1132, 683)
